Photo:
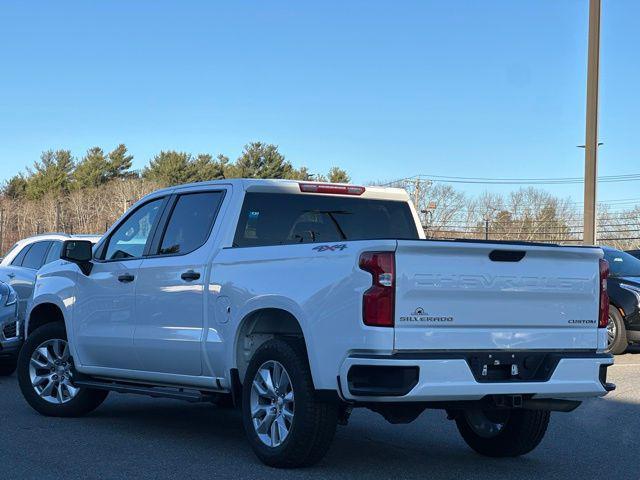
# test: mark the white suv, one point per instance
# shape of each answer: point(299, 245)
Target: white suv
point(20, 265)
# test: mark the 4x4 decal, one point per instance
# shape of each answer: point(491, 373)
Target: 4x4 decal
point(330, 248)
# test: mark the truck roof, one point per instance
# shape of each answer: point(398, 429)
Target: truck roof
point(293, 186)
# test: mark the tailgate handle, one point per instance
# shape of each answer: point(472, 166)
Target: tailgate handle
point(506, 255)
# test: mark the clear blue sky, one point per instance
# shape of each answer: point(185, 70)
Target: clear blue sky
point(384, 89)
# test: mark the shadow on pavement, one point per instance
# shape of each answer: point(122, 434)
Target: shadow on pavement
point(139, 437)
point(371, 448)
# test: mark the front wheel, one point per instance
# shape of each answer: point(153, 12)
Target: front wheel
point(286, 423)
point(503, 433)
point(46, 374)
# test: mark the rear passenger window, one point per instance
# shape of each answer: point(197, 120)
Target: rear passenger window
point(54, 253)
point(35, 256)
point(278, 219)
point(17, 261)
point(190, 222)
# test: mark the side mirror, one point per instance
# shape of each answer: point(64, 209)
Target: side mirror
point(79, 252)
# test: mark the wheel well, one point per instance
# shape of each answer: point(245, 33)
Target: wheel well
point(260, 326)
point(43, 314)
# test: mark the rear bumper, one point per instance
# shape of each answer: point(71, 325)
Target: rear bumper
point(449, 377)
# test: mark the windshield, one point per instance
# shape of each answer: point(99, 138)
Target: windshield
point(622, 264)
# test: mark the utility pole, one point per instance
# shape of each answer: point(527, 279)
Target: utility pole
point(417, 194)
point(591, 134)
point(486, 229)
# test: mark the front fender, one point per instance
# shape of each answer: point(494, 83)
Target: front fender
point(43, 299)
point(56, 286)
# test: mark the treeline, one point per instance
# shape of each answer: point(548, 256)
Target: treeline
point(58, 172)
point(86, 195)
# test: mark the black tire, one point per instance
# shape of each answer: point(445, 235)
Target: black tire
point(85, 401)
point(521, 432)
point(315, 420)
point(8, 366)
point(620, 343)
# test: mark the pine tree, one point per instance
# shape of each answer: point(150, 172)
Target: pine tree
point(119, 163)
point(204, 167)
point(259, 160)
point(338, 175)
point(91, 171)
point(15, 187)
point(169, 168)
point(52, 174)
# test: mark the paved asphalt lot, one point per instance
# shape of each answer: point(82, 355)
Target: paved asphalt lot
point(139, 437)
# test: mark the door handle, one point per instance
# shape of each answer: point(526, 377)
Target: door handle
point(11, 275)
point(190, 276)
point(126, 278)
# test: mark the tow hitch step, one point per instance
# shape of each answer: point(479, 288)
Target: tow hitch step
point(176, 393)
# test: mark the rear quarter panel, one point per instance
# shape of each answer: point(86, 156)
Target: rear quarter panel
point(321, 287)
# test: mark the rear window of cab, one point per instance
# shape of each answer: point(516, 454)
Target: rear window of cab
point(285, 219)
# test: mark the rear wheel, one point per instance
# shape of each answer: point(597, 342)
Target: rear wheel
point(617, 342)
point(286, 423)
point(46, 374)
point(503, 433)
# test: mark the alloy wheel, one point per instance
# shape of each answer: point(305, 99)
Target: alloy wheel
point(612, 331)
point(50, 371)
point(272, 403)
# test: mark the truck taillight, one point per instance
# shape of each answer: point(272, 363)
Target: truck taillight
point(603, 316)
point(379, 300)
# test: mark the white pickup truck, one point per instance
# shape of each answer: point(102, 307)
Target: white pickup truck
point(300, 301)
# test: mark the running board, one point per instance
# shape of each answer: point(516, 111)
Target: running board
point(176, 393)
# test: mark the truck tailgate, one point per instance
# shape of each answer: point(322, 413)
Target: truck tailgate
point(484, 296)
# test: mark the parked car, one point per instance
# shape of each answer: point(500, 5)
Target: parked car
point(624, 294)
point(19, 266)
point(300, 301)
point(635, 253)
point(10, 334)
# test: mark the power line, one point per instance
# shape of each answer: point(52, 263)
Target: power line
point(557, 224)
point(631, 177)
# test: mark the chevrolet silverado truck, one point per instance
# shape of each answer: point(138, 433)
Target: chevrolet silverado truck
point(299, 301)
